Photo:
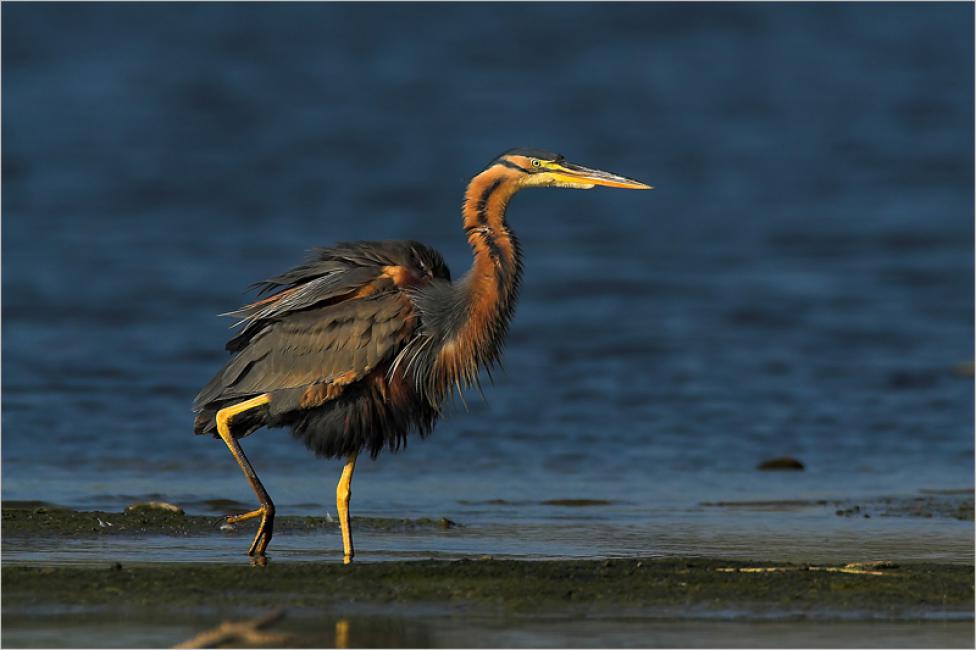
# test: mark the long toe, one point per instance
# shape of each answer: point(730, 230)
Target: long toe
point(236, 519)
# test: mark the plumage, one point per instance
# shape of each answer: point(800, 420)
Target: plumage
point(321, 344)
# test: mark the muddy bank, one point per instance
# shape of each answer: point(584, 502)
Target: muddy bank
point(35, 519)
point(897, 591)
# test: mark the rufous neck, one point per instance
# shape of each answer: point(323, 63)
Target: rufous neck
point(487, 197)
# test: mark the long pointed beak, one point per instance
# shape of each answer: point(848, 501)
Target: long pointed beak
point(577, 173)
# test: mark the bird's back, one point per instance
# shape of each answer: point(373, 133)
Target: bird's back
point(321, 346)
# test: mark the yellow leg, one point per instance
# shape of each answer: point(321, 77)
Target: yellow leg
point(343, 492)
point(266, 511)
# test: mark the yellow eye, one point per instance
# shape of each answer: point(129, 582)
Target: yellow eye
point(536, 163)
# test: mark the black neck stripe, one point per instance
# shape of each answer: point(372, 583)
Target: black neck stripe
point(483, 202)
point(488, 235)
point(511, 165)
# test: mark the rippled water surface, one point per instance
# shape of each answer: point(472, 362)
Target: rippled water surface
point(800, 282)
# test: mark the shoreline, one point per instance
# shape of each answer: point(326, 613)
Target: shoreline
point(640, 601)
point(892, 589)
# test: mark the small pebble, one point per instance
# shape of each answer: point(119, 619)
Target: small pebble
point(782, 463)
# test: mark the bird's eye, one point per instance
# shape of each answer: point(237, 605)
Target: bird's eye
point(536, 163)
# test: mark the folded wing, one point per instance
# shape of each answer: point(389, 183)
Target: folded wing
point(329, 324)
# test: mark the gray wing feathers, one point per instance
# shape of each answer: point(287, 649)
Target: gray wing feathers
point(335, 284)
point(348, 338)
point(315, 327)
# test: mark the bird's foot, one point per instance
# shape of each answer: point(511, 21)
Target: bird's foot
point(265, 529)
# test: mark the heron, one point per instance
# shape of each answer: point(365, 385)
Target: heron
point(363, 343)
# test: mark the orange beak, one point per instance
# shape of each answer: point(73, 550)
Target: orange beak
point(571, 173)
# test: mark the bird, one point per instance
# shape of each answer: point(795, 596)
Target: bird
point(364, 342)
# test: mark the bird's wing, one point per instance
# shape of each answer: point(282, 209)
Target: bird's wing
point(333, 275)
point(332, 287)
point(334, 345)
point(331, 322)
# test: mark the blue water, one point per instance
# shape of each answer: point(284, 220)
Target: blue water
point(800, 282)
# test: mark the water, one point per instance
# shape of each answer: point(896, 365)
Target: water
point(800, 282)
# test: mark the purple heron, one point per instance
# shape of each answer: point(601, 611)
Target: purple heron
point(361, 344)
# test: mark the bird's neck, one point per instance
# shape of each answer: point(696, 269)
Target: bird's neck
point(496, 267)
point(490, 287)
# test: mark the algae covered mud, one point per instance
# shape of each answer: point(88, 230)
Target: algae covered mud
point(486, 602)
point(472, 603)
point(78, 598)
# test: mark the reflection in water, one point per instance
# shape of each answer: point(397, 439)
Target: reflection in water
point(342, 633)
point(243, 634)
point(384, 632)
point(413, 628)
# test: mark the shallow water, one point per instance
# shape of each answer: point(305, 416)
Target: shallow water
point(800, 282)
point(813, 533)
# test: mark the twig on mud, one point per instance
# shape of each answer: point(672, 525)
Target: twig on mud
point(240, 633)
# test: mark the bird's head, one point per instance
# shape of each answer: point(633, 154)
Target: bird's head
point(537, 168)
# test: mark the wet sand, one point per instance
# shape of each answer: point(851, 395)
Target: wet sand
point(893, 591)
point(674, 601)
point(478, 601)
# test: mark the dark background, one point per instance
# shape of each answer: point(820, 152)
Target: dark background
point(800, 282)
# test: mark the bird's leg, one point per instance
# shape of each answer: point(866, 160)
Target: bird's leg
point(343, 492)
point(266, 511)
